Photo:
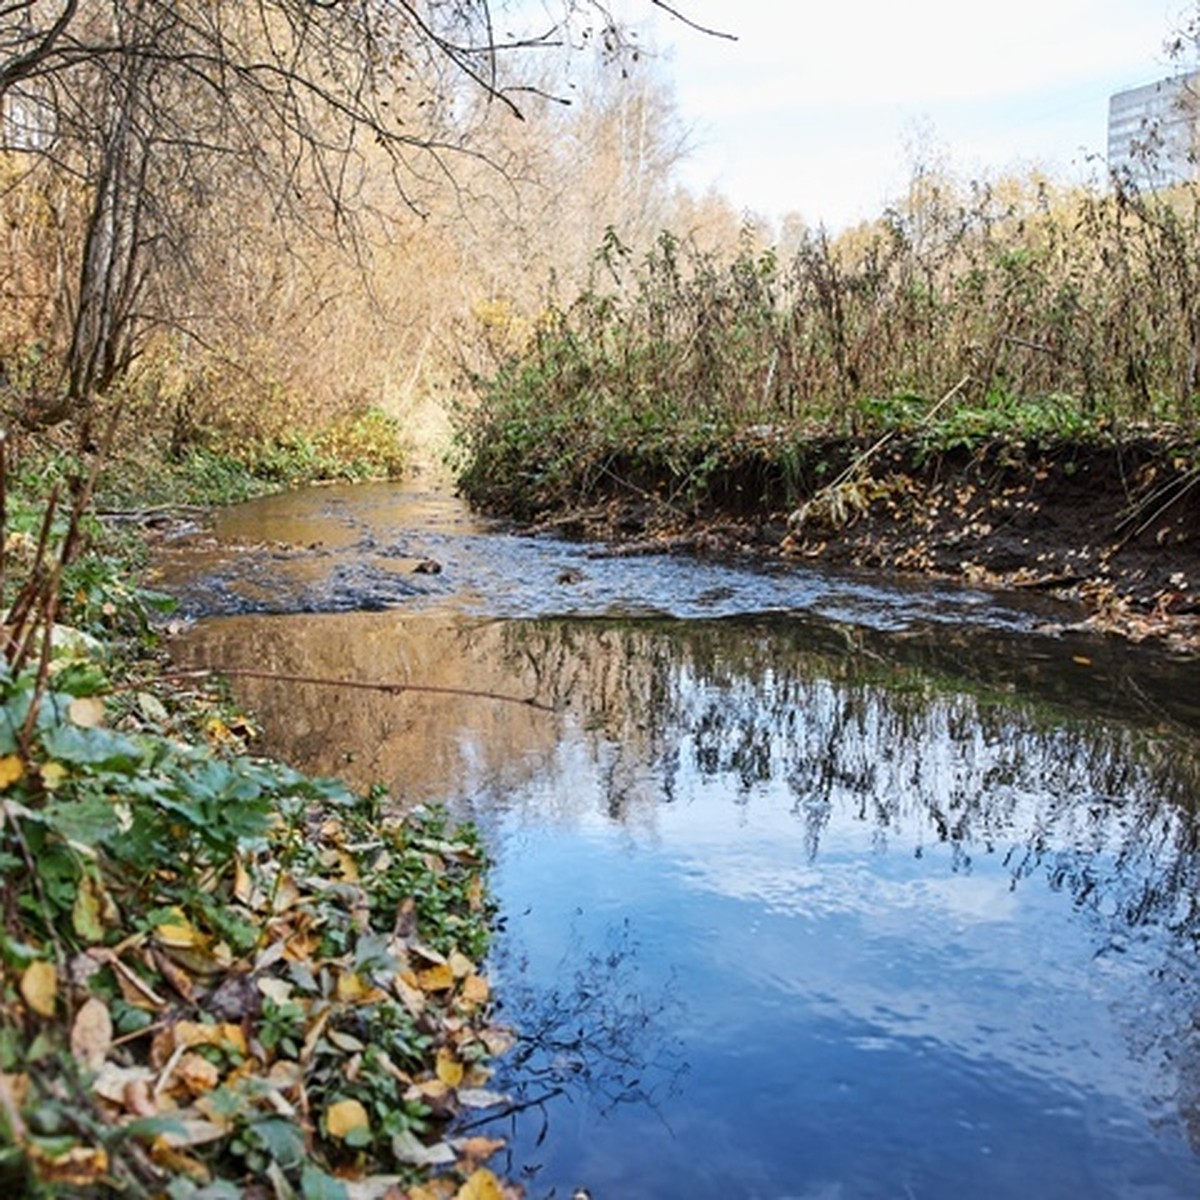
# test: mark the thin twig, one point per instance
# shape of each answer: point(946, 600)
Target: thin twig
point(511, 1109)
point(674, 12)
point(361, 685)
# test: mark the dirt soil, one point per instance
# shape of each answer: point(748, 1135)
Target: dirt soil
point(1113, 527)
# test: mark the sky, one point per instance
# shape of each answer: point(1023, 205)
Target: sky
point(821, 108)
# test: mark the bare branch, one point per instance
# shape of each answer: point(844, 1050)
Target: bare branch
point(674, 12)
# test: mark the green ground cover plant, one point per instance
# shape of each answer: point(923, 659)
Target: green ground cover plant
point(218, 977)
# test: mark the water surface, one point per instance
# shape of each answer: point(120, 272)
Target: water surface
point(809, 886)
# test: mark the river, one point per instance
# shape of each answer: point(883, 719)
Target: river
point(810, 886)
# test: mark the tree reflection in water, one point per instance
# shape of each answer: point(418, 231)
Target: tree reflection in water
point(601, 1031)
point(1003, 761)
point(1099, 809)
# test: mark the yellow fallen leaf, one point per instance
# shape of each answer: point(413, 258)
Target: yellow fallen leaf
point(449, 1069)
point(348, 866)
point(179, 1162)
point(227, 1035)
point(475, 1150)
point(86, 711)
point(39, 987)
point(411, 996)
point(87, 912)
point(344, 1117)
point(53, 775)
point(79, 1167)
point(482, 1185)
point(11, 769)
point(195, 1074)
point(179, 933)
point(438, 978)
point(461, 965)
point(350, 987)
point(92, 1034)
point(475, 989)
point(217, 731)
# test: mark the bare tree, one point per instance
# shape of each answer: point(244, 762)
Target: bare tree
point(171, 114)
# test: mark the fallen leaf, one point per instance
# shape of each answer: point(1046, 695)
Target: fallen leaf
point(79, 1167)
point(481, 1098)
point(475, 990)
point(39, 987)
point(482, 1185)
point(476, 1150)
point(344, 1117)
point(439, 978)
point(53, 775)
point(11, 769)
point(189, 1034)
point(87, 912)
point(497, 1041)
point(176, 977)
point(113, 1083)
point(243, 885)
point(286, 894)
point(408, 1148)
point(179, 1163)
point(192, 1131)
point(86, 711)
point(350, 987)
point(196, 1074)
point(91, 1035)
point(461, 965)
point(180, 933)
point(411, 996)
point(136, 992)
point(274, 988)
point(449, 1069)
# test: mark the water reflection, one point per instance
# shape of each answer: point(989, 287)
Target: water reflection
point(792, 909)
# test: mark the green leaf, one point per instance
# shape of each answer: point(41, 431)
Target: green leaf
point(151, 1127)
point(316, 1185)
point(282, 1140)
point(94, 747)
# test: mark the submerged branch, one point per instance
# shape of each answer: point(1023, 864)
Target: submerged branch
point(391, 688)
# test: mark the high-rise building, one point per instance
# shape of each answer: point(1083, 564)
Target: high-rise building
point(1152, 132)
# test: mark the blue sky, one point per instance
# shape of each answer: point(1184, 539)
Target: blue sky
point(819, 108)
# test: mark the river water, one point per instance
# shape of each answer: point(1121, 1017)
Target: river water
point(809, 886)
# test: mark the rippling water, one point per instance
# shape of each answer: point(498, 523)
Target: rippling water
point(809, 887)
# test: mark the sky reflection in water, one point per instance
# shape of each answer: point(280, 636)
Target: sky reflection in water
point(853, 942)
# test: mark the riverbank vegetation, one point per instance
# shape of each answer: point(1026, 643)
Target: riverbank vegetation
point(218, 977)
point(988, 353)
point(246, 247)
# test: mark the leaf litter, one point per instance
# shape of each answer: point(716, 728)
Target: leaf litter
point(221, 978)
